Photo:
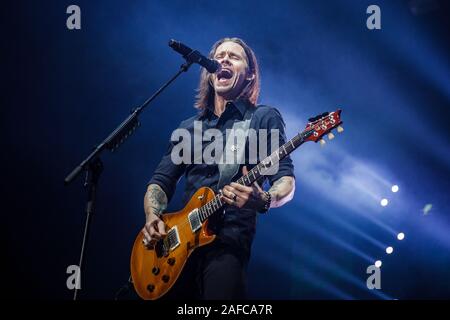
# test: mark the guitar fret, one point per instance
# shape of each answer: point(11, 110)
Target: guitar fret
point(219, 202)
point(288, 148)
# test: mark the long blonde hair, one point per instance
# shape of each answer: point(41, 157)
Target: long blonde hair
point(205, 91)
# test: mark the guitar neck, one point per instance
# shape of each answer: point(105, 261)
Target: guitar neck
point(256, 172)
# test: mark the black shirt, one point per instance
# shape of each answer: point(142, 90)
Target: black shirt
point(235, 227)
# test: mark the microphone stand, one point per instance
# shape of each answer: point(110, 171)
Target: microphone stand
point(94, 166)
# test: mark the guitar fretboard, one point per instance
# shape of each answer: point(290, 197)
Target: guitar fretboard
point(256, 172)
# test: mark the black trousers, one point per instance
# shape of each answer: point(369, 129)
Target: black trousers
point(216, 271)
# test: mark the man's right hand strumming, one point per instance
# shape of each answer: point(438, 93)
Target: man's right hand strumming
point(155, 202)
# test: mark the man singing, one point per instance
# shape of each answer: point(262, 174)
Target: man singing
point(218, 270)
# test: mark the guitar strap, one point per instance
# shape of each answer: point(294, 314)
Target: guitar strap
point(233, 154)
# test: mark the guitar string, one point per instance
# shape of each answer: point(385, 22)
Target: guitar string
point(159, 262)
point(311, 124)
point(215, 198)
point(186, 222)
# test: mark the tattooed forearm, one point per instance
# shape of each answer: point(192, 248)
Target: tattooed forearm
point(155, 200)
point(282, 191)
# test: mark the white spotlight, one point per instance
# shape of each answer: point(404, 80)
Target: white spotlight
point(401, 236)
point(389, 250)
point(427, 209)
point(378, 263)
point(384, 202)
point(394, 188)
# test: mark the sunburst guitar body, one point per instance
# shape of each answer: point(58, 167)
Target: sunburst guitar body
point(154, 271)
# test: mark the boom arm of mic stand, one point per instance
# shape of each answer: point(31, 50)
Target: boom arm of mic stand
point(93, 164)
point(123, 131)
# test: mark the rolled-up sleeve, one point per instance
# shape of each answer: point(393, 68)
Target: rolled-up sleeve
point(273, 120)
point(167, 173)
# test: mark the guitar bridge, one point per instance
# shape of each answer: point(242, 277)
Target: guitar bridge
point(194, 220)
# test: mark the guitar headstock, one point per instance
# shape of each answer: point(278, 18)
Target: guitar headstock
point(323, 124)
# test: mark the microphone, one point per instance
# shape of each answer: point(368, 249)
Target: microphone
point(194, 56)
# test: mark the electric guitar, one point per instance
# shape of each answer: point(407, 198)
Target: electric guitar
point(154, 271)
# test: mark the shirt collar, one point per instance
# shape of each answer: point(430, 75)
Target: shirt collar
point(240, 104)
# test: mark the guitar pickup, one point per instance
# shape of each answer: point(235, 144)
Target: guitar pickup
point(194, 220)
point(173, 238)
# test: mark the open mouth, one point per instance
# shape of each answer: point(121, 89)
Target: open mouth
point(224, 75)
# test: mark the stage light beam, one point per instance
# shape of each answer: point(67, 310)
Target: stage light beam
point(394, 188)
point(384, 202)
point(389, 250)
point(401, 236)
point(378, 263)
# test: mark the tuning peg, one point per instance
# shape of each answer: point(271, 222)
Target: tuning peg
point(330, 136)
point(322, 142)
point(340, 129)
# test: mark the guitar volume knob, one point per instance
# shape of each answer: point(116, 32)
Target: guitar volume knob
point(155, 271)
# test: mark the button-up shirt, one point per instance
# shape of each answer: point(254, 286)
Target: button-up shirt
point(233, 226)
